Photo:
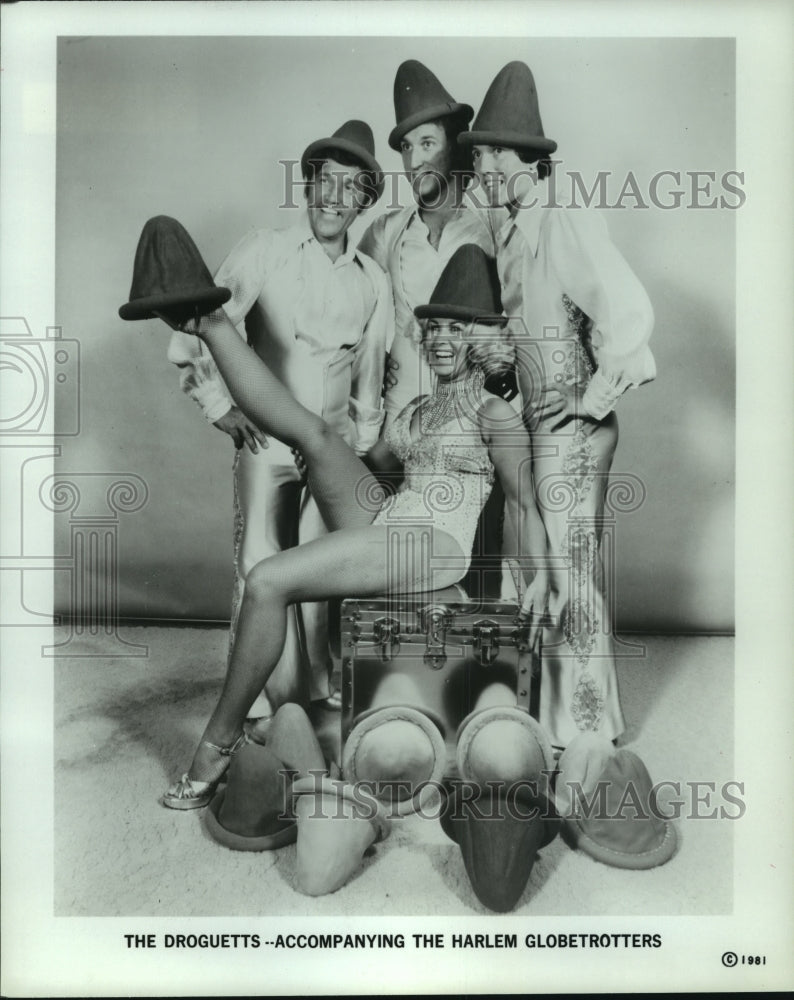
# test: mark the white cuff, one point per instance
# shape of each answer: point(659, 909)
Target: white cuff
point(213, 400)
point(601, 394)
point(365, 416)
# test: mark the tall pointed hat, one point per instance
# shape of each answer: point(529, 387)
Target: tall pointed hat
point(468, 289)
point(510, 114)
point(419, 97)
point(169, 276)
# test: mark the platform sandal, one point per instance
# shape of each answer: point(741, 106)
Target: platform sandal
point(192, 793)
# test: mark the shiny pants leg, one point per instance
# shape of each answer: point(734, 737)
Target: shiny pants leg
point(579, 688)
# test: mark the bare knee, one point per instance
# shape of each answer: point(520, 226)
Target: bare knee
point(261, 583)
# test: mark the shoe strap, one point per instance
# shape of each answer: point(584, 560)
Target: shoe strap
point(227, 751)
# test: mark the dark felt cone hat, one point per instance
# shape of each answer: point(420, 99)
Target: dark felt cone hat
point(468, 289)
point(418, 98)
point(499, 832)
point(169, 276)
point(254, 811)
point(616, 823)
point(510, 114)
point(354, 138)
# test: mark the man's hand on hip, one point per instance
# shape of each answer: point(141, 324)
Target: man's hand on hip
point(241, 430)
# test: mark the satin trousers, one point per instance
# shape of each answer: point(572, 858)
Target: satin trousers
point(579, 688)
point(273, 511)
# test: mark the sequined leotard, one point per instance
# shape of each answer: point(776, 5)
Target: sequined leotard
point(448, 472)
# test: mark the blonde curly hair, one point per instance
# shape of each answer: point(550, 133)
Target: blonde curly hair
point(490, 345)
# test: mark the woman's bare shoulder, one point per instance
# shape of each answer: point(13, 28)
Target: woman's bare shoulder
point(494, 406)
point(497, 414)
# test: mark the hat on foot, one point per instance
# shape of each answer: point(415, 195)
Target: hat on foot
point(499, 832)
point(503, 744)
point(254, 811)
point(169, 276)
point(604, 797)
point(399, 751)
point(336, 825)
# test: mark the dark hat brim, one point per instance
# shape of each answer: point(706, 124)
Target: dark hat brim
point(202, 301)
point(427, 115)
point(287, 833)
point(544, 806)
point(362, 156)
point(513, 140)
point(449, 311)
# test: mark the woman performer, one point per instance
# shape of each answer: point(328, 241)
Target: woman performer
point(451, 444)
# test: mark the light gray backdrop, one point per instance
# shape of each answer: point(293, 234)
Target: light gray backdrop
point(195, 127)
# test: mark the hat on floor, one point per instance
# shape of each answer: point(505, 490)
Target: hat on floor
point(169, 276)
point(356, 140)
point(399, 751)
point(510, 114)
point(468, 289)
point(504, 744)
point(336, 824)
point(254, 811)
point(499, 832)
point(615, 823)
point(418, 98)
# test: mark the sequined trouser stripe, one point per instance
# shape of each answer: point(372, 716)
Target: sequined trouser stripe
point(579, 688)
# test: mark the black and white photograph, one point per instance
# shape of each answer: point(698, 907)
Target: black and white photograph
point(396, 435)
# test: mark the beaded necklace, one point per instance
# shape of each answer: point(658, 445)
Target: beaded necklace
point(451, 399)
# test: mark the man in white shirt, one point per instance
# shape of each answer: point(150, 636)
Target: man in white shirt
point(415, 243)
point(581, 321)
point(319, 312)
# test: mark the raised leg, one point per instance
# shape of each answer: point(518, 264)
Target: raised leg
point(336, 475)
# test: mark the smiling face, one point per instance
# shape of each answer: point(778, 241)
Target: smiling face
point(335, 197)
point(503, 175)
point(446, 347)
point(427, 160)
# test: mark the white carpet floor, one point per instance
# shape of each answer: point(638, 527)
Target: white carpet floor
point(125, 728)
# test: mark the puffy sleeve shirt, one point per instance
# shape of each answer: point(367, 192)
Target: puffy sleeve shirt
point(322, 326)
point(557, 264)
